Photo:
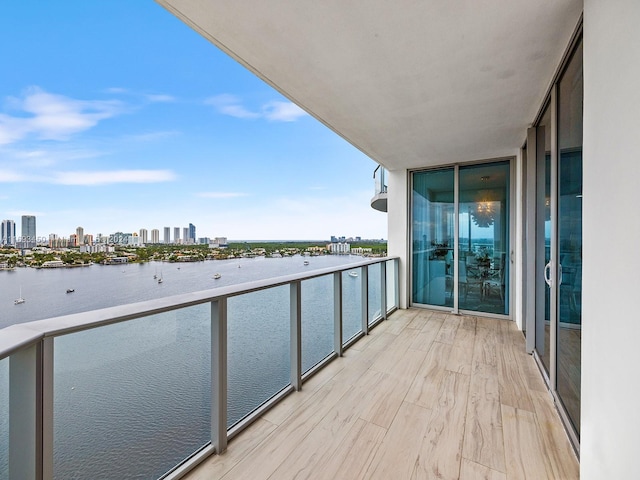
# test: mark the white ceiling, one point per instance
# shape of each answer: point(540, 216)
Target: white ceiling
point(410, 83)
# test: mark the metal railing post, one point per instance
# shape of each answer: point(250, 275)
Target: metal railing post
point(383, 290)
point(24, 408)
point(219, 374)
point(364, 273)
point(46, 408)
point(337, 313)
point(295, 294)
point(396, 282)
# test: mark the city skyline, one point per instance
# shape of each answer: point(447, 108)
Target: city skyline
point(9, 236)
point(177, 130)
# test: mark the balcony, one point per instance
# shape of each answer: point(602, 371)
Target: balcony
point(425, 395)
point(422, 395)
point(149, 390)
point(379, 200)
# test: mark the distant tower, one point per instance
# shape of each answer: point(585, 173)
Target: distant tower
point(28, 231)
point(192, 233)
point(176, 234)
point(185, 235)
point(79, 236)
point(155, 236)
point(167, 235)
point(144, 236)
point(8, 232)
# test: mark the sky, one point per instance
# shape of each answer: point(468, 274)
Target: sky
point(116, 116)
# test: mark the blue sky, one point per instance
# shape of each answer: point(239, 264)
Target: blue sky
point(115, 116)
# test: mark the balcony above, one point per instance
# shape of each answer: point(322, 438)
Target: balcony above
point(425, 395)
point(379, 200)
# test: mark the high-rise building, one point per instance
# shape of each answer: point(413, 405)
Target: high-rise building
point(28, 232)
point(185, 235)
point(79, 236)
point(88, 239)
point(8, 232)
point(192, 233)
point(144, 234)
point(167, 235)
point(176, 234)
point(155, 236)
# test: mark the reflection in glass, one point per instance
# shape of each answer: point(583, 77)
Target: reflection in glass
point(258, 350)
point(570, 95)
point(374, 294)
point(142, 387)
point(317, 320)
point(433, 236)
point(351, 304)
point(483, 270)
point(4, 419)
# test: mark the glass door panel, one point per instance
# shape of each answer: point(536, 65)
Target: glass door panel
point(543, 239)
point(483, 252)
point(568, 350)
point(432, 235)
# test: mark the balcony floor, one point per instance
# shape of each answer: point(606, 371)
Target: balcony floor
point(425, 395)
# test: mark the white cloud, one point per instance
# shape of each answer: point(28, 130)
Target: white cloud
point(113, 176)
point(230, 105)
point(116, 90)
point(276, 111)
point(160, 98)
point(52, 117)
point(8, 176)
point(221, 194)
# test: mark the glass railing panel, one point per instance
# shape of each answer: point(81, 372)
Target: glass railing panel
point(132, 399)
point(258, 351)
point(317, 320)
point(374, 294)
point(4, 419)
point(392, 300)
point(351, 304)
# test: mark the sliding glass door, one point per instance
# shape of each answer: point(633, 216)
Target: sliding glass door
point(461, 218)
point(558, 227)
point(433, 235)
point(483, 252)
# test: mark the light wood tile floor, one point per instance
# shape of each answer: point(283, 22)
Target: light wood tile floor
point(425, 395)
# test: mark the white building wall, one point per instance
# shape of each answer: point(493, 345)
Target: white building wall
point(397, 221)
point(611, 231)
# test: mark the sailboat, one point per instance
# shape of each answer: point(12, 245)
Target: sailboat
point(19, 300)
point(160, 279)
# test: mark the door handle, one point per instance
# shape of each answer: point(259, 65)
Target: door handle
point(559, 274)
point(547, 274)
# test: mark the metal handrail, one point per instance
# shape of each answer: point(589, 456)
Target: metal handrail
point(19, 336)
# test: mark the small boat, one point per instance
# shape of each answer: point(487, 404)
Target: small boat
point(19, 300)
point(71, 290)
point(155, 276)
point(160, 280)
point(217, 276)
point(306, 262)
point(353, 274)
